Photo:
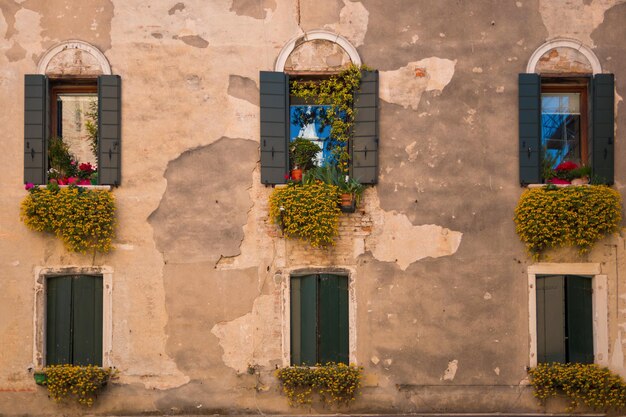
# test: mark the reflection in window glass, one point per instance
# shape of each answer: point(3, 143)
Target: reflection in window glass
point(75, 112)
point(310, 122)
point(560, 127)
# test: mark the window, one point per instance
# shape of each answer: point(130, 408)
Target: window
point(85, 113)
point(74, 311)
point(278, 125)
point(564, 319)
point(566, 118)
point(319, 319)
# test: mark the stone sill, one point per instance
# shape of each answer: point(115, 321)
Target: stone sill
point(89, 187)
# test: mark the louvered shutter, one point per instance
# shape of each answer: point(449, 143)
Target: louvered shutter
point(551, 319)
point(109, 129)
point(35, 128)
point(579, 319)
point(304, 320)
point(364, 147)
point(274, 89)
point(529, 129)
point(603, 130)
point(333, 319)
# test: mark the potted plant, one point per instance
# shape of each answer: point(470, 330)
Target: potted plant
point(350, 189)
point(302, 153)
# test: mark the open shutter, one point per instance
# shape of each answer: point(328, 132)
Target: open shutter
point(550, 319)
point(364, 156)
point(35, 128)
point(274, 88)
point(87, 320)
point(579, 319)
point(304, 320)
point(58, 320)
point(333, 319)
point(529, 129)
point(603, 127)
point(109, 129)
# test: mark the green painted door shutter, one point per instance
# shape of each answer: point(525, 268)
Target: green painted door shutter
point(304, 320)
point(87, 320)
point(58, 320)
point(333, 319)
point(579, 319)
point(35, 128)
point(551, 319)
point(109, 129)
point(603, 127)
point(529, 129)
point(274, 89)
point(364, 151)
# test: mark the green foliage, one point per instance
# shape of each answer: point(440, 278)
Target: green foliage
point(62, 162)
point(307, 211)
point(574, 216)
point(81, 382)
point(302, 152)
point(591, 385)
point(331, 174)
point(83, 219)
point(335, 383)
point(91, 125)
point(338, 92)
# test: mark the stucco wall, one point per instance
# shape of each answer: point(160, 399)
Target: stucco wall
point(438, 275)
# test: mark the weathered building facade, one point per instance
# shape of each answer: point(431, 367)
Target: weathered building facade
point(196, 293)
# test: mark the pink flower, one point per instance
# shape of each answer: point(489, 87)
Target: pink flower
point(62, 181)
point(72, 180)
point(84, 182)
point(29, 185)
point(73, 163)
point(53, 181)
point(558, 181)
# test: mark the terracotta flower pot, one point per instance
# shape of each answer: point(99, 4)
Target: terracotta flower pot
point(347, 203)
point(296, 174)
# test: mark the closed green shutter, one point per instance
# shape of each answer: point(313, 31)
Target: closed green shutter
point(333, 319)
point(529, 129)
point(551, 319)
point(58, 320)
point(304, 320)
point(274, 89)
point(364, 147)
point(603, 128)
point(87, 320)
point(579, 319)
point(109, 129)
point(35, 128)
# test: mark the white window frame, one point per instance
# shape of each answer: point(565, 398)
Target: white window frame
point(39, 318)
point(286, 307)
point(599, 300)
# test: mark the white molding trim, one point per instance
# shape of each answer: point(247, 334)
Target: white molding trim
point(74, 44)
point(286, 306)
point(39, 317)
point(313, 35)
point(564, 43)
point(599, 302)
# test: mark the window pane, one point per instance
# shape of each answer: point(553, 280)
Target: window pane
point(560, 127)
point(310, 122)
point(75, 113)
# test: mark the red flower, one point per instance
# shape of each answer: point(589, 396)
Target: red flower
point(72, 180)
point(558, 181)
point(29, 185)
point(86, 167)
point(61, 181)
point(566, 166)
point(84, 182)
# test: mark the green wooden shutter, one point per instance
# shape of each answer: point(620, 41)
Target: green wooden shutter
point(109, 129)
point(529, 129)
point(87, 320)
point(579, 319)
point(58, 320)
point(364, 147)
point(551, 319)
point(603, 130)
point(35, 128)
point(333, 319)
point(274, 89)
point(304, 320)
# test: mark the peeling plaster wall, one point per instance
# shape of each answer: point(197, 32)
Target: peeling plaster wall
point(439, 299)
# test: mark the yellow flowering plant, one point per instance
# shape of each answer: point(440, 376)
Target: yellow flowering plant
point(80, 382)
point(309, 212)
point(83, 219)
point(589, 384)
point(335, 383)
point(574, 216)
